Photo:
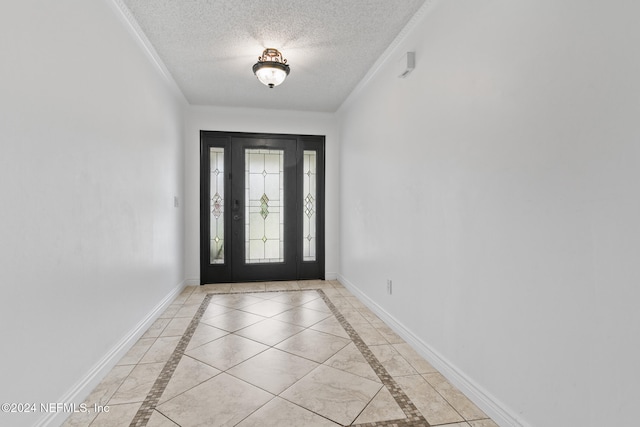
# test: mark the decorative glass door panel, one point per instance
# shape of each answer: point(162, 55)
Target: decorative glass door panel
point(216, 227)
point(309, 177)
point(262, 203)
point(264, 206)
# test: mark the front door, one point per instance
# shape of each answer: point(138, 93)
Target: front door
point(262, 207)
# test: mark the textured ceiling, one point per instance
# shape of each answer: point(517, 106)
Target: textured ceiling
point(209, 46)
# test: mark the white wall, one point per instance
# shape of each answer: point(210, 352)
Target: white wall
point(500, 194)
point(199, 118)
point(91, 158)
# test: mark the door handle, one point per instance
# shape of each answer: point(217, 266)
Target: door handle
point(236, 209)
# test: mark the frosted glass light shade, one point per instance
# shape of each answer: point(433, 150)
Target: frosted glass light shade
point(271, 73)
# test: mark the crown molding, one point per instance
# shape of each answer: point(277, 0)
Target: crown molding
point(134, 28)
point(413, 23)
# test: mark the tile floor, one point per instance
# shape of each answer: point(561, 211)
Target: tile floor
point(302, 353)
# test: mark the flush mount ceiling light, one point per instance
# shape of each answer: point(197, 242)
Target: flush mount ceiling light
point(271, 69)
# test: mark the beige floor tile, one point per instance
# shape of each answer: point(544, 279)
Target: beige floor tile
point(136, 352)
point(313, 345)
point(190, 308)
point(369, 334)
point(159, 420)
point(267, 308)
point(353, 317)
point(336, 295)
point(99, 396)
point(383, 407)
point(118, 415)
point(331, 326)
point(235, 300)
point(156, 328)
point(344, 292)
point(337, 395)
point(317, 304)
point(171, 311)
point(414, 359)
point(195, 298)
point(220, 401)
point(269, 331)
point(161, 350)
point(355, 302)
point(428, 401)
point(227, 351)
point(459, 401)
point(483, 423)
point(264, 356)
point(369, 315)
point(268, 294)
point(214, 310)
point(181, 299)
point(332, 293)
point(214, 288)
point(302, 316)
point(109, 385)
point(297, 298)
point(248, 287)
point(279, 413)
point(282, 286)
point(176, 327)
point(393, 362)
point(233, 320)
point(136, 386)
point(188, 374)
point(204, 334)
point(349, 359)
point(283, 369)
point(345, 308)
point(313, 284)
point(389, 334)
point(188, 290)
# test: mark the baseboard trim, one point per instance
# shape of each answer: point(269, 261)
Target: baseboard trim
point(194, 281)
point(330, 276)
point(85, 385)
point(477, 394)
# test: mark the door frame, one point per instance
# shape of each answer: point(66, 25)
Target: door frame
point(224, 273)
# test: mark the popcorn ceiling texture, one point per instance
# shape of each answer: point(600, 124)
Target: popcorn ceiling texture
point(209, 46)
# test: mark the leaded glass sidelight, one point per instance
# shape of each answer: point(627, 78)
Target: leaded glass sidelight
point(264, 211)
point(216, 207)
point(309, 206)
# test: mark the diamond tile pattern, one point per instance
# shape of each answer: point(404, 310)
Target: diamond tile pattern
point(307, 354)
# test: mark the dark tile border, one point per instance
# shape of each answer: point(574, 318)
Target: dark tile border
point(413, 416)
point(146, 410)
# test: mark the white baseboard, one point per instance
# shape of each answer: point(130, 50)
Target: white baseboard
point(477, 394)
point(85, 385)
point(330, 276)
point(194, 281)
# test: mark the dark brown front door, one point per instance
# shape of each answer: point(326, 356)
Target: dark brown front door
point(262, 207)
